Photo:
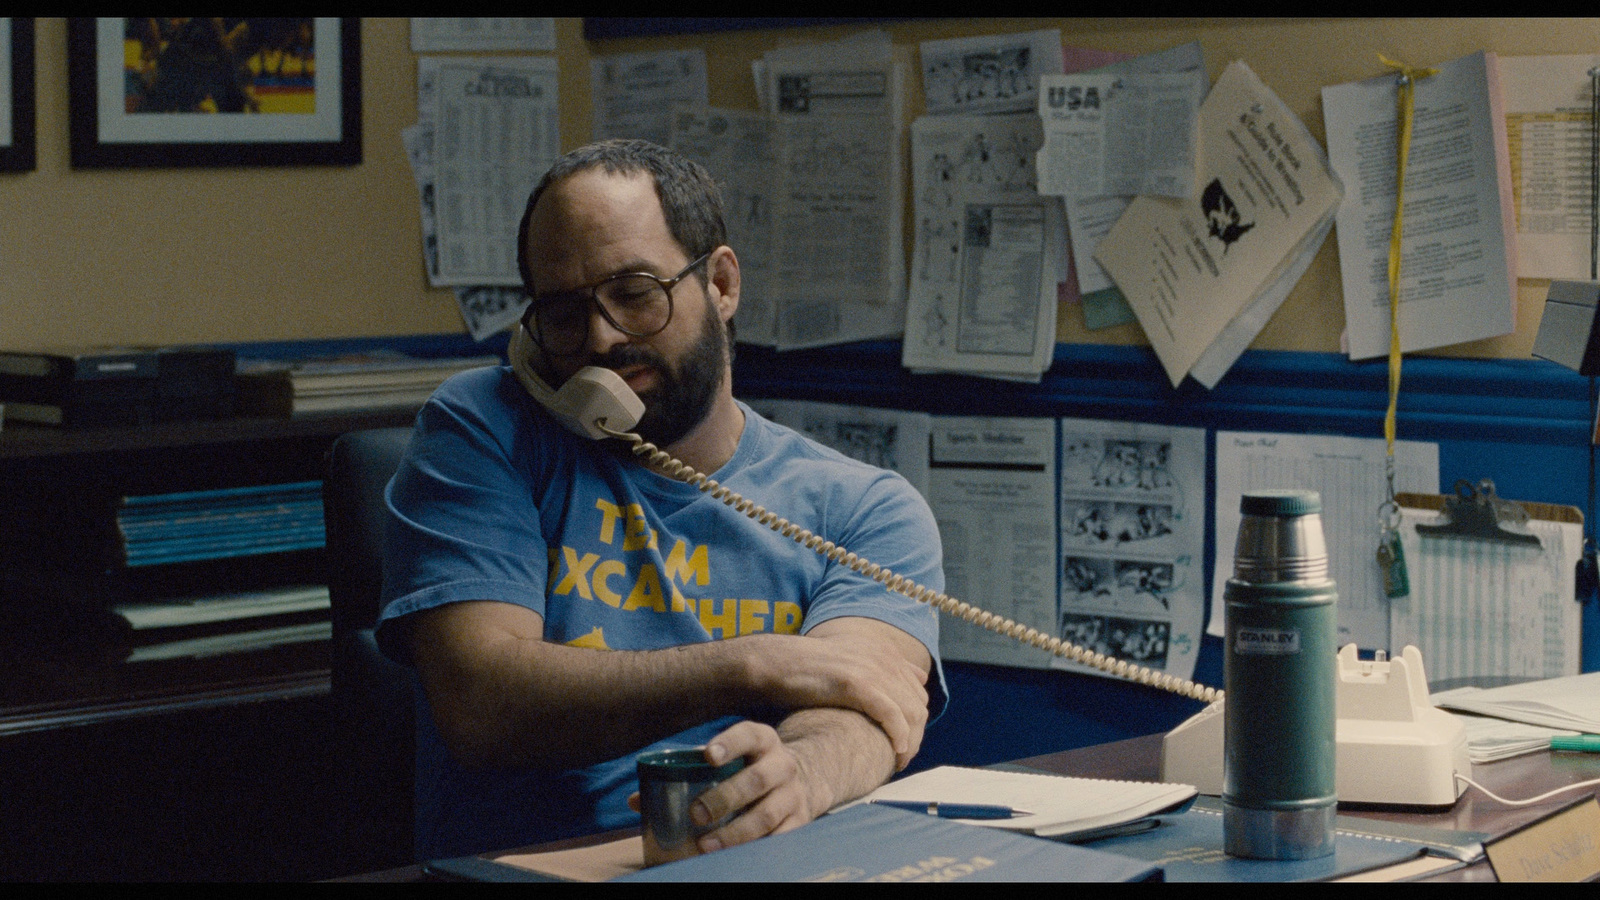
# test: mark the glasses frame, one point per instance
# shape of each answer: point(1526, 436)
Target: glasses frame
point(530, 317)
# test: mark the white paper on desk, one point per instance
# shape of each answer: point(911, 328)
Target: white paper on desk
point(1481, 608)
point(1549, 141)
point(496, 129)
point(431, 34)
point(1348, 473)
point(1133, 532)
point(988, 73)
point(988, 249)
point(1571, 701)
point(739, 149)
point(1188, 267)
point(1458, 273)
point(893, 439)
point(633, 93)
point(992, 488)
point(1119, 133)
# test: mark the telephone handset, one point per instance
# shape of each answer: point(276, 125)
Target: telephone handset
point(592, 397)
point(597, 403)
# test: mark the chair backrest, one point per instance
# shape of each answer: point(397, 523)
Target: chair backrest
point(374, 739)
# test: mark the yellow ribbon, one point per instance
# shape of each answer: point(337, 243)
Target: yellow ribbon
point(1407, 107)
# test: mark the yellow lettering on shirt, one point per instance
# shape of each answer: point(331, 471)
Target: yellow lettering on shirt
point(638, 534)
point(726, 621)
point(683, 564)
point(646, 591)
point(602, 575)
point(752, 616)
point(576, 570)
point(594, 640)
point(786, 617)
point(609, 514)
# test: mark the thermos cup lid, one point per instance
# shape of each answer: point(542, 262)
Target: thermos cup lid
point(1280, 503)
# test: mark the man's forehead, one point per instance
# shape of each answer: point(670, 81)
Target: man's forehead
point(595, 213)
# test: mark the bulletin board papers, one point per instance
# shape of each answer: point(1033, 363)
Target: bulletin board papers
point(633, 93)
point(1481, 608)
point(994, 73)
point(1458, 274)
point(1548, 138)
point(1119, 134)
point(430, 34)
point(988, 249)
point(1348, 473)
point(1132, 537)
point(1189, 267)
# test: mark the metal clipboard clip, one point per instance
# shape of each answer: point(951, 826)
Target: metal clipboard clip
point(1476, 513)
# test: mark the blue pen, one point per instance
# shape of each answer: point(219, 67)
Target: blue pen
point(955, 810)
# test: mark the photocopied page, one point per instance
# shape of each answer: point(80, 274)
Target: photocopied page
point(1119, 134)
point(739, 149)
point(1189, 267)
point(988, 249)
point(1132, 543)
point(1458, 276)
point(1481, 608)
point(991, 73)
point(1348, 473)
point(495, 129)
point(992, 487)
point(892, 439)
point(633, 93)
point(1549, 140)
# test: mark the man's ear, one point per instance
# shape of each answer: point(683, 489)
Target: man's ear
point(722, 274)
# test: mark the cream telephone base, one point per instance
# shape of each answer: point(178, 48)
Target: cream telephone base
point(1394, 747)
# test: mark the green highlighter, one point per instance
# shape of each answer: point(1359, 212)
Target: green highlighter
point(1583, 743)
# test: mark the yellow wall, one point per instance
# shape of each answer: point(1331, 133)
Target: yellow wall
point(140, 256)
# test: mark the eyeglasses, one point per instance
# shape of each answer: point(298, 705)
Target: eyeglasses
point(637, 304)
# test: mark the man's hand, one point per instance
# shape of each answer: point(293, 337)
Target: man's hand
point(851, 663)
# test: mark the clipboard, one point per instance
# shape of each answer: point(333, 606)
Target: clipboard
point(1489, 598)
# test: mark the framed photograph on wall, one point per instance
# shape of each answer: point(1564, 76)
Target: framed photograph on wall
point(16, 95)
point(202, 91)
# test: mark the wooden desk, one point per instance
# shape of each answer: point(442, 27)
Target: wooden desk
point(1139, 759)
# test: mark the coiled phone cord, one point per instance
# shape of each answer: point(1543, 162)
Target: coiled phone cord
point(663, 461)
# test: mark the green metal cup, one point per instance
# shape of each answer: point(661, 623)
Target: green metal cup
point(669, 781)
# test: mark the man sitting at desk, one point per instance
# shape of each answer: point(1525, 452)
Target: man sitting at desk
point(565, 606)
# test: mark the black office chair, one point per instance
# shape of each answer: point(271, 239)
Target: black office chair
point(374, 739)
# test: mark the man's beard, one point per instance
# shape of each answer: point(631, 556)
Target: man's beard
point(683, 395)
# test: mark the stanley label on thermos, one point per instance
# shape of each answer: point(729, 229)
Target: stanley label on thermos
point(1264, 641)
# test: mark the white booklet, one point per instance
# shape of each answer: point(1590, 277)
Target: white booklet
point(1059, 806)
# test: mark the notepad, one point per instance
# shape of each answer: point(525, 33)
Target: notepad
point(1061, 806)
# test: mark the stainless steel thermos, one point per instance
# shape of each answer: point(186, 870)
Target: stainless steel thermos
point(1280, 674)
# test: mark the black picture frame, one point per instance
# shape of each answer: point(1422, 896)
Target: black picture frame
point(18, 154)
point(109, 130)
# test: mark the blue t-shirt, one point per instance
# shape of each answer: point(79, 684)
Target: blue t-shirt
point(496, 501)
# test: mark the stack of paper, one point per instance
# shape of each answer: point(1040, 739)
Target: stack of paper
point(1572, 702)
point(1059, 806)
point(1490, 739)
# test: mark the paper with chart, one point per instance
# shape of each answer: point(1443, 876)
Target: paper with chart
point(1348, 473)
point(740, 150)
point(633, 93)
point(1132, 543)
point(992, 488)
point(495, 131)
point(1480, 608)
point(893, 439)
point(1458, 274)
point(1189, 267)
point(988, 249)
point(1549, 139)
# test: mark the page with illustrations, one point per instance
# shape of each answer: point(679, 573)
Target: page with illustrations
point(893, 439)
point(988, 249)
point(1132, 543)
point(1458, 274)
point(990, 73)
point(992, 487)
point(1481, 608)
point(1188, 267)
point(1348, 473)
point(739, 149)
point(633, 93)
point(1549, 139)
